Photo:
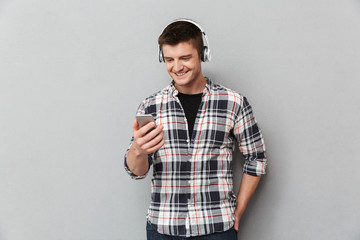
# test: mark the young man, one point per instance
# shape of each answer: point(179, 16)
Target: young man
point(197, 126)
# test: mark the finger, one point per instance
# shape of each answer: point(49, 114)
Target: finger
point(154, 141)
point(157, 146)
point(143, 130)
point(236, 224)
point(150, 139)
point(153, 133)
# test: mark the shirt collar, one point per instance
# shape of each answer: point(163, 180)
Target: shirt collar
point(207, 90)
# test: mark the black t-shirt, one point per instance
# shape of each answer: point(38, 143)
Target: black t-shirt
point(190, 104)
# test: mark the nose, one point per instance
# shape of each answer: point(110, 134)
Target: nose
point(178, 66)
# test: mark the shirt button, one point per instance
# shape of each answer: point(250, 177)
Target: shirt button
point(187, 140)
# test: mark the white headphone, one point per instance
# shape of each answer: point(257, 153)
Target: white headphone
point(205, 53)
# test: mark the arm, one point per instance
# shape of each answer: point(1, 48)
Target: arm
point(144, 143)
point(247, 188)
point(251, 145)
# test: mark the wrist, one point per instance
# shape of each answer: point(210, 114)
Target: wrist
point(137, 152)
point(241, 205)
point(239, 209)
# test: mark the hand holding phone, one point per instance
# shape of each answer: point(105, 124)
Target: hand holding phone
point(147, 139)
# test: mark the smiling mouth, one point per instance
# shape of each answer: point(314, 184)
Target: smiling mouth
point(180, 74)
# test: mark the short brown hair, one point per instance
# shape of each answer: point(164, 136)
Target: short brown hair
point(182, 31)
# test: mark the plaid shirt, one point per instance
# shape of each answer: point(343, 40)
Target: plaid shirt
point(192, 183)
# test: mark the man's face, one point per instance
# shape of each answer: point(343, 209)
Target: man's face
point(184, 66)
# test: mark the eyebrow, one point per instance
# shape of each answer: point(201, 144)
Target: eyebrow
point(184, 56)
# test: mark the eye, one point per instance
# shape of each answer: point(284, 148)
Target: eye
point(186, 58)
point(168, 60)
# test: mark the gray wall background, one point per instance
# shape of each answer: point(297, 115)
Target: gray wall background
point(73, 73)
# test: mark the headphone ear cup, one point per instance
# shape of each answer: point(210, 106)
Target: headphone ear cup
point(204, 54)
point(161, 56)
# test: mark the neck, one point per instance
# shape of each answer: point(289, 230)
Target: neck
point(194, 88)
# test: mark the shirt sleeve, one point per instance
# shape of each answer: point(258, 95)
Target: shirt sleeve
point(140, 110)
point(250, 139)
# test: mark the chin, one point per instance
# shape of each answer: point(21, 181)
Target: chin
point(181, 82)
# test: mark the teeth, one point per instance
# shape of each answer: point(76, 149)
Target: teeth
point(180, 74)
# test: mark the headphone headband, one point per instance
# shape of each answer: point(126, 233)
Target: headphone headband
point(186, 20)
point(205, 54)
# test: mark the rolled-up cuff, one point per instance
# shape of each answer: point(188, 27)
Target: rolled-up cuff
point(132, 175)
point(255, 168)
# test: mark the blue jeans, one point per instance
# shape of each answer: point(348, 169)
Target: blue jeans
point(227, 235)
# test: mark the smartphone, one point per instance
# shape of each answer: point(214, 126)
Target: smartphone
point(144, 119)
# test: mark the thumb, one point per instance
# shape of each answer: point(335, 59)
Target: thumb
point(236, 224)
point(135, 125)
